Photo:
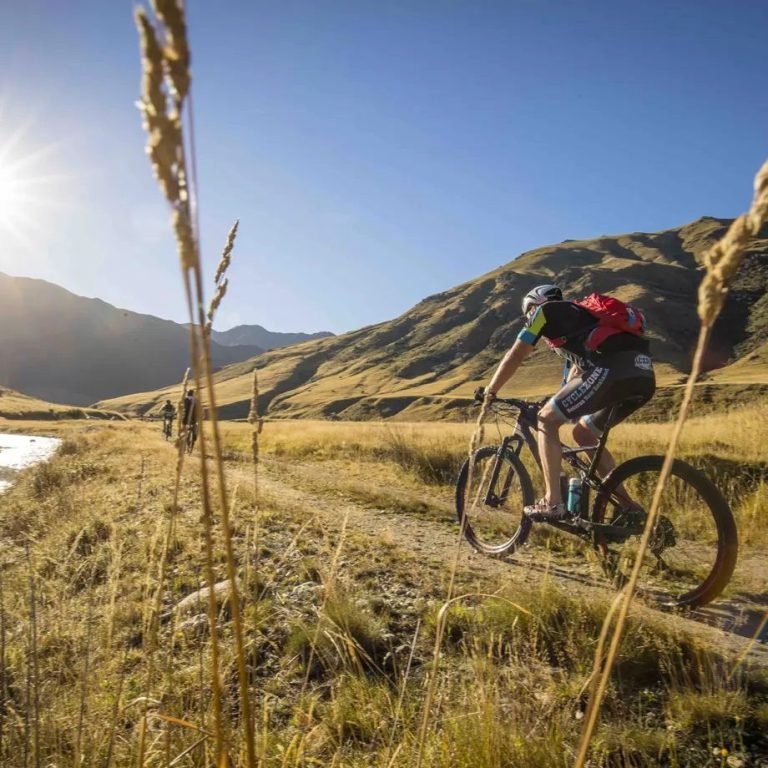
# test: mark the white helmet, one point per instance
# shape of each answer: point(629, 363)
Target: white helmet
point(539, 295)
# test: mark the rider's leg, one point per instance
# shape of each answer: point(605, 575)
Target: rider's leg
point(551, 451)
point(585, 437)
point(588, 430)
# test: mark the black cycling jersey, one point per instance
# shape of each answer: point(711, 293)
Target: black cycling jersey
point(190, 410)
point(558, 320)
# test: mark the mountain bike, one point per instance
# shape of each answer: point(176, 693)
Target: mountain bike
point(190, 436)
point(694, 543)
point(167, 427)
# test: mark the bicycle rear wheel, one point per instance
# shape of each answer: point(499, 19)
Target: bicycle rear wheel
point(491, 510)
point(692, 550)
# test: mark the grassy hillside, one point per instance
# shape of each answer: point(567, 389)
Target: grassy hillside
point(420, 364)
point(14, 405)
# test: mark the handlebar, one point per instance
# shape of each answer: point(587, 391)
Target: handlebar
point(529, 409)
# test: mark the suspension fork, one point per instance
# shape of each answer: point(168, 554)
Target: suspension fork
point(490, 498)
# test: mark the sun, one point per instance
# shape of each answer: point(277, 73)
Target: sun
point(13, 197)
point(29, 189)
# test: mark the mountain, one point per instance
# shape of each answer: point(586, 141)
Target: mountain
point(430, 359)
point(64, 348)
point(259, 336)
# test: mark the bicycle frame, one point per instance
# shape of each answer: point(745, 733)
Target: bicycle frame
point(523, 435)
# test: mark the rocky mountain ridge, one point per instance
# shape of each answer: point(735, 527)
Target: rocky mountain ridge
point(257, 335)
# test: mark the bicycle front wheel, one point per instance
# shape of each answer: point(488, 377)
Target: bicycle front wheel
point(490, 510)
point(692, 549)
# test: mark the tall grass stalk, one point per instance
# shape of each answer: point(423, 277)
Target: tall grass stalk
point(475, 441)
point(722, 261)
point(115, 571)
point(152, 625)
point(149, 633)
point(86, 670)
point(166, 78)
point(401, 694)
point(116, 709)
point(256, 426)
point(33, 685)
point(181, 428)
point(3, 673)
point(166, 75)
point(330, 585)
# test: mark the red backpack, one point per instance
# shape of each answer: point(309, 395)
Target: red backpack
point(613, 316)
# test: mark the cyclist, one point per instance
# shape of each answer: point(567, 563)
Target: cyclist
point(189, 415)
point(168, 413)
point(618, 372)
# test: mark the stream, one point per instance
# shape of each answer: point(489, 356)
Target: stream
point(21, 451)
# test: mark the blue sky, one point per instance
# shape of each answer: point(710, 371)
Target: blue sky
point(375, 152)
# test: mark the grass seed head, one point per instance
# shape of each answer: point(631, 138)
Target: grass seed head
point(226, 254)
point(185, 239)
point(163, 130)
point(723, 259)
point(176, 51)
point(221, 292)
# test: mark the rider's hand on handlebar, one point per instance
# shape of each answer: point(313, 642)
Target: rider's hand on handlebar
point(481, 395)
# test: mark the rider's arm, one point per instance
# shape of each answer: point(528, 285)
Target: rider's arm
point(508, 365)
point(523, 347)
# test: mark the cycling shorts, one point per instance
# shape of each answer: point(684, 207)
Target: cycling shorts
point(625, 380)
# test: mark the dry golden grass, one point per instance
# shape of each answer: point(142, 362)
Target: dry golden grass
point(510, 681)
point(307, 623)
point(738, 434)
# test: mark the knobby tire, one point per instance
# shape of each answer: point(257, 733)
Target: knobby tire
point(501, 528)
point(715, 543)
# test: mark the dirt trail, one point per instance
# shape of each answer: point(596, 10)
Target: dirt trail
point(729, 623)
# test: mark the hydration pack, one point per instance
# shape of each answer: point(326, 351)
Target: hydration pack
point(612, 316)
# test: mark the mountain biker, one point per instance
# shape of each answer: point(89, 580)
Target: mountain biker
point(168, 413)
point(618, 372)
point(189, 412)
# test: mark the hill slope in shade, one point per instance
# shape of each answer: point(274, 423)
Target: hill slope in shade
point(14, 405)
point(68, 349)
point(257, 335)
point(422, 362)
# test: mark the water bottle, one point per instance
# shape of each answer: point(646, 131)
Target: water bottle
point(574, 495)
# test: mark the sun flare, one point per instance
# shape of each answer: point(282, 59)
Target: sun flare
point(29, 190)
point(12, 198)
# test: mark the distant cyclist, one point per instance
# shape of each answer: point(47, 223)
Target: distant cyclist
point(189, 418)
point(168, 413)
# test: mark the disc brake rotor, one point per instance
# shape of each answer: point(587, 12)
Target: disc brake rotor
point(663, 536)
